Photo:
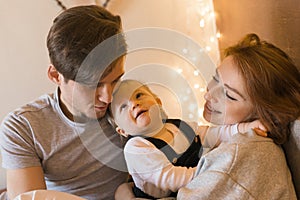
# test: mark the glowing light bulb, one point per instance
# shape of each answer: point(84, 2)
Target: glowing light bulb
point(202, 23)
point(194, 58)
point(191, 116)
point(179, 70)
point(185, 98)
point(208, 48)
point(200, 111)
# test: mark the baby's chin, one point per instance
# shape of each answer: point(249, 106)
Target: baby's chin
point(143, 120)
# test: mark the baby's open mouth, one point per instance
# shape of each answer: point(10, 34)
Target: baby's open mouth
point(140, 113)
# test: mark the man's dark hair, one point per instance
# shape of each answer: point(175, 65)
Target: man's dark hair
point(76, 32)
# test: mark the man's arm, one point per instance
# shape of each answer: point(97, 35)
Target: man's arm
point(124, 192)
point(24, 180)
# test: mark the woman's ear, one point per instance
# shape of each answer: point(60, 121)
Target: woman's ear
point(53, 74)
point(121, 132)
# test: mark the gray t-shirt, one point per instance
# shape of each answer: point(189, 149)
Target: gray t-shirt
point(81, 159)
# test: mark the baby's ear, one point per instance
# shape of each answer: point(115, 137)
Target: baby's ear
point(121, 132)
point(158, 101)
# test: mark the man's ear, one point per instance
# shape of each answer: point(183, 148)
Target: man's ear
point(121, 132)
point(53, 75)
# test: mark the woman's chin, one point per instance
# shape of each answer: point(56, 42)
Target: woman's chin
point(213, 118)
point(207, 116)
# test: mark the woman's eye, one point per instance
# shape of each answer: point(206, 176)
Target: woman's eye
point(230, 97)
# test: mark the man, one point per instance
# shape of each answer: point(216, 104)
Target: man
point(63, 141)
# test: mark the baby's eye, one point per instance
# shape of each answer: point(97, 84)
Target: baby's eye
point(123, 106)
point(138, 95)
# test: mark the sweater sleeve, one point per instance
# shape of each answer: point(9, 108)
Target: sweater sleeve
point(147, 164)
point(213, 179)
point(213, 185)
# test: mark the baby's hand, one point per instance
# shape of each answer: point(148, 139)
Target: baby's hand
point(256, 125)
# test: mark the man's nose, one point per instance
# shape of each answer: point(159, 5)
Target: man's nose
point(104, 93)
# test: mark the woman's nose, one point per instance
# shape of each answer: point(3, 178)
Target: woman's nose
point(207, 96)
point(211, 94)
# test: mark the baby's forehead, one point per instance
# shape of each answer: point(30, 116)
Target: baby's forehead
point(126, 89)
point(130, 85)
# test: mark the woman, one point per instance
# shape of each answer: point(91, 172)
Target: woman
point(256, 80)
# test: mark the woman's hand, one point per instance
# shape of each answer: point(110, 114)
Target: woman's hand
point(256, 125)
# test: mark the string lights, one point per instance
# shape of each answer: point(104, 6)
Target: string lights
point(103, 4)
point(60, 4)
point(201, 26)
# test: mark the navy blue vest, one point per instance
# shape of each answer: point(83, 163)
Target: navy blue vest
point(189, 158)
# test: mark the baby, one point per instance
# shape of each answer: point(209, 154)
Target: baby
point(161, 154)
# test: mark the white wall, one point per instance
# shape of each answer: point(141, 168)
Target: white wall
point(24, 25)
point(23, 55)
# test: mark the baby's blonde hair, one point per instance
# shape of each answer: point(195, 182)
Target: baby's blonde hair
point(139, 85)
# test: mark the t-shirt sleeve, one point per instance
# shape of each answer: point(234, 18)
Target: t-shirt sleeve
point(148, 163)
point(17, 143)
